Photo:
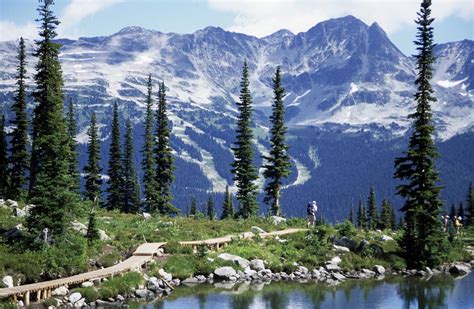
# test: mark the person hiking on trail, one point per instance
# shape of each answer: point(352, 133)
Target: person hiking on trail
point(457, 224)
point(445, 222)
point(311, 210)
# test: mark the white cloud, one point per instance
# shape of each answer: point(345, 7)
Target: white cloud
point(76, 11)
point(264, 17)
point(11, 31)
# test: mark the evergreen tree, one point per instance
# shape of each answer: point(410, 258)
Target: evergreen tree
point(130, 191)
point(227, 207)
point(193, 210)
point(460, 212)
point(164, 157)
point(452, 212)
point(148, 163)
point(245, 173)
point(92, 231)
point(210, 208)
point(372, 216)
point(114, 189)
point(72, 131)
point(470, 204)
point(3, 160)
point(393, 218)
point(386, 216)
point(92, 169)
point(19, 155)
point(50, 181)
point(423, 242)
point(278, 162)
point(361, 216)
point(351, 215)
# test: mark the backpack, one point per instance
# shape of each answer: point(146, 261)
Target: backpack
point(310, 209)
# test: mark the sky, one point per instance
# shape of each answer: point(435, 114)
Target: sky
point(454, 18)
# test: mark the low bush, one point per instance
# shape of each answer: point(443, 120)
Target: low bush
point(50, 302)
point(120, 285)
point(346, 229)
point(89, 293)
point(174, 247)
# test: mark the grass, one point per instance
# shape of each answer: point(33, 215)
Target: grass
point(120, 285)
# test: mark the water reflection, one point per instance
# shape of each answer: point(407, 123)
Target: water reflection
point(435, 292)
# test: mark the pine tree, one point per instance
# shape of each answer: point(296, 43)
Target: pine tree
point(351, 216)
point(92, 231)
point(19, 155)
point(245, 173)
point(72, 131)
point(393, 218)
point(460, 212)
point(372, 216)
point(210, 208)
point(92, 169)
point(361, 216)
point(193, 210)
point(423, 242)
point(3, 160)
point(386, 215)
point(227, 207)
point(130, 191)
point(50, 182)
point(278, 162)
point(452, 212)
point(470, 204)
point(114, 189)
point(148, 163)
point(164, 157)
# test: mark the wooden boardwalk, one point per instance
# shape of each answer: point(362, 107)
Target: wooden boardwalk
point(143, 254)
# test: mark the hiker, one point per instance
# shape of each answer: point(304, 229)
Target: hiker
point(445, 223)
point(311, 210)
point(457, 224)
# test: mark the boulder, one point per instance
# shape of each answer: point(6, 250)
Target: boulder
point(11, 203)
point(80, 227)
point(379, 269)
point(338, 276)
point(257, 264)
point(120, 298)
point(248, 271)
point(103, 236)
point(344, 242)
point(61, 291)
point(224, 273)
point(335, 260)
point(340, 248)
point(141, 293)
point(165, 275)
point(7, 281)
point(146, 215)
point(364, 243)
point(332, 267)
point(154, 283)
point(385, 238)
point(234, 258)
point(368, 272)
point(190, 281)
point(459, 269)
point(315, 273)
point(80, 303)
point(14, 232)
point(87, 284)
point(18, 212)
point(2, 203)
point(302, 270)
point(75, 297)
point(277, 220)
point(256, 230)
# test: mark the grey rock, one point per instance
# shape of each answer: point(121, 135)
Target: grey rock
point(265, 273)
point(315, 273)
point(277, 220)
point(303, 270)
point(332, 267)
point(224, 273)
point(344, 242)
point(120, 298)
point(18, 212)
point(338, 276)
point(176, 282)
point(201, 278)
point(103, 236)
point(80, 303)
point(234, 258)
point(379, 269)
point(385, 238)
point(142, 293)
point(165, 275)
point(14, 232)
point(460, 269)
point(364, 243)
point(103, 303)
point(7, 281)
point(87, 284)
point(249, 271)
point(11, 203)
point(368, 272)
point(75, 297)
point(256, 230)
point(61, 291)
point(340, 248)
point(190, 281)
point(79, 227)
point(257, 264)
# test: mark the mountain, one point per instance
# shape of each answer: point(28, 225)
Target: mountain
point(346, 83)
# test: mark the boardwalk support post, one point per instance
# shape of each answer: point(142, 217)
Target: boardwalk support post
point(26, 298)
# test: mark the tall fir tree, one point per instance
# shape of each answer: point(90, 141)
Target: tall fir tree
point(423, 241)
point(92, 169)
point(3, 160)
point(130, 191)
point(361, 216)
point(372, 216)
point(351, 216)
point(92, 230)
point(19, 155)
point(228, 206)
point(50, 181)
point(193, 210)
point(452, 212)
point(211, 213)
point(245, 173)
point(278, 162)
point(72, 131)
point(386, 215)
point(164, 156)
point(470, 204)
point(114, 184)
point(460, 211)
point(393, 218)
point(148, 162)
